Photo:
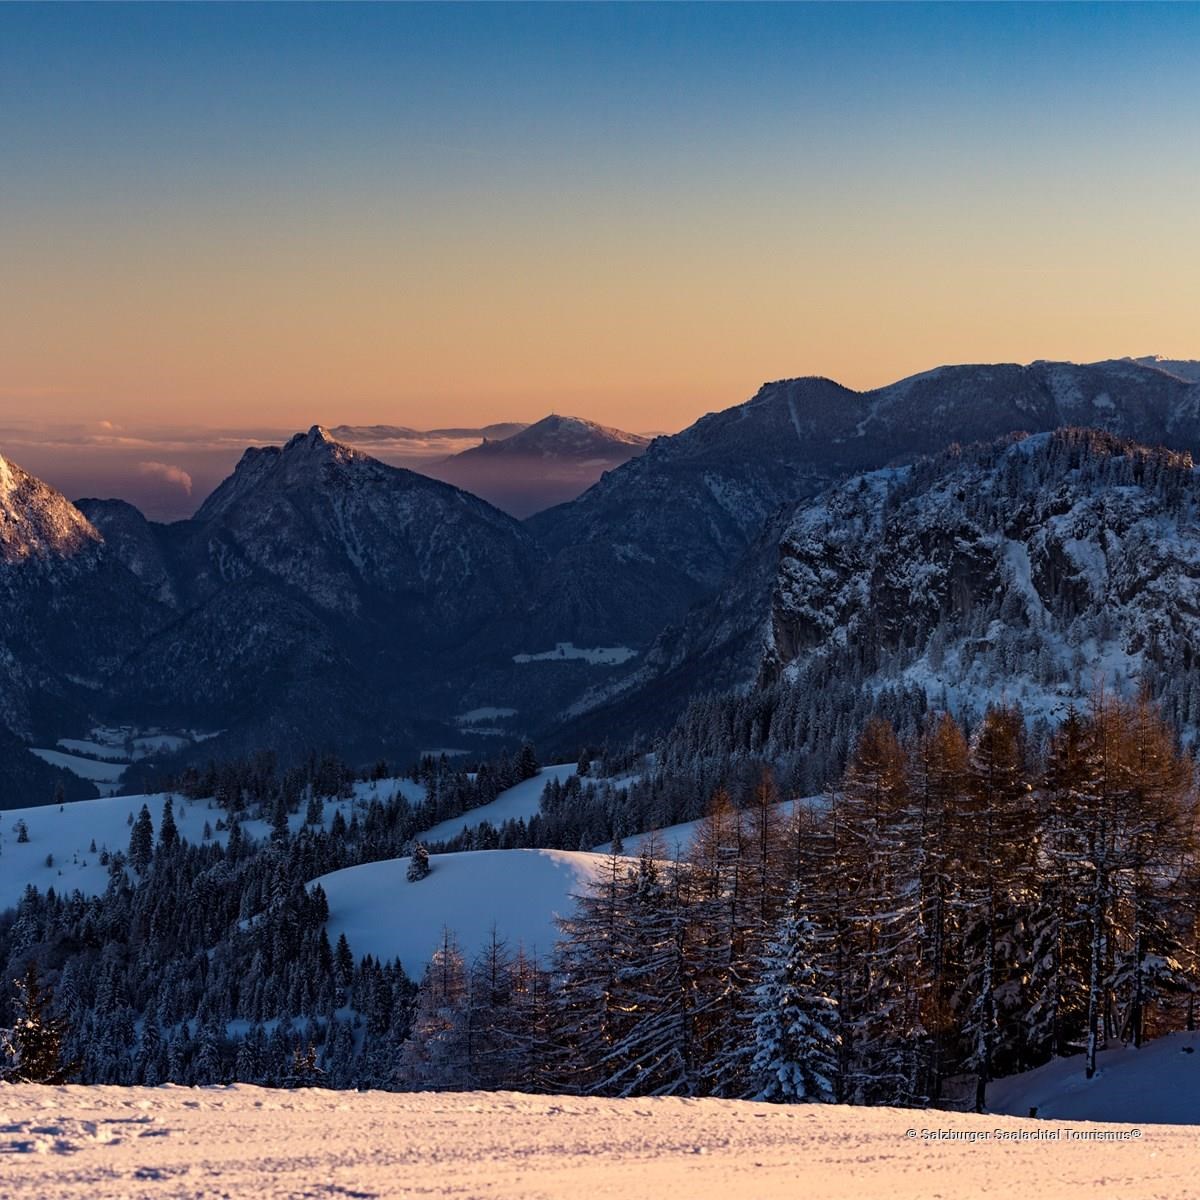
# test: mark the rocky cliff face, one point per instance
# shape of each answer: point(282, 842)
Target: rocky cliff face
point(1039, 567)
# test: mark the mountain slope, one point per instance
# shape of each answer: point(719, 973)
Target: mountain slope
point(353, 535)
point(1032, 569)
point(1039, 567)
point(71, 609)
point(546, 463)
point(519, 893)
point(346, 592)
point(659, 534)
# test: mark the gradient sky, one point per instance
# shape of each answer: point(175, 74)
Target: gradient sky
point(242, 215)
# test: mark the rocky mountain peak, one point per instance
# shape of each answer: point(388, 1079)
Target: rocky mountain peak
point(318, 438)
point(37, 522)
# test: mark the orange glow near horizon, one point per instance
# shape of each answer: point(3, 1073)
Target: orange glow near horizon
point(641, 334)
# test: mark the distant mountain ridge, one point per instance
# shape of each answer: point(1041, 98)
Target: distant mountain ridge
point(402, 433)
point(552, 460)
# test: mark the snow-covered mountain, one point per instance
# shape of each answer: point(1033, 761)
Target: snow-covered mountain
point(319, 594)
point(70, 610)
point(38, 526)
point(543, 464)
point(322, 572)
point(1033, 569)
point(346, 532)
point(661, 533)
point(1038, 567)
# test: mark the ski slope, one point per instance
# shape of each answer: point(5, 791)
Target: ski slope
point(65, 834)
point(1159, 1083)
point(104, 1143)
point(518, 892)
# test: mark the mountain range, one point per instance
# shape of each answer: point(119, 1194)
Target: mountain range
point(322, 598)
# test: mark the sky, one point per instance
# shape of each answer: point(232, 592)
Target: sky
point(253, 218)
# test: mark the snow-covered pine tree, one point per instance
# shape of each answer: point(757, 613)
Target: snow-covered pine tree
point(418, 863)
point(168, 831)
point(796, 1038)
point(656, 1049)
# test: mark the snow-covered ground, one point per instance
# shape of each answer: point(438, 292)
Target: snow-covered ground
point(106, 774)
point(517, 803)
point(597, 656)
point(102, 757)
point(65, 833)
point(518, 892)
point(674, 840)
point(73, 1143)
point(1159, 1083)
point(487, 721)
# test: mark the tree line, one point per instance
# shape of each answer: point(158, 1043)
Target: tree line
point(955, 910)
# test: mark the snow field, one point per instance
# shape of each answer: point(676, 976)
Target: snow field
point(102, 1142)
point(66, 832)
point(105, 775)
point(597, 656)
point(516, 892)
point(517, 803)
point(1159, 1083)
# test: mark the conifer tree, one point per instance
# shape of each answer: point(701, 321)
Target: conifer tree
point(141, 841)
point(939, 779)
point(418, 864)
point(34, 1046)
point(168, 832)
point(877, 868)
point(796, 1039)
